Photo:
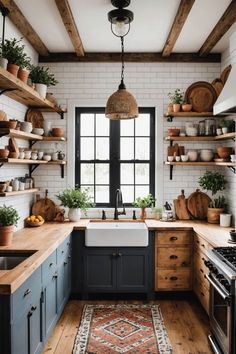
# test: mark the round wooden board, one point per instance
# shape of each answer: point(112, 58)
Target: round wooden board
point(34, 117)
point(225, 73)
point(197, 205)
point(46, 208)
point(218, 86)
point(201, 95)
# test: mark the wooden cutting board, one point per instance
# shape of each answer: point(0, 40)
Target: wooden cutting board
point(45, 207)
point(225, 73)
point(201, 95)
point(218, 86)
point(197, 205)
point(181, 209)
point(13, 147)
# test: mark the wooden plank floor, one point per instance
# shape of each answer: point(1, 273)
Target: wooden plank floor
point(186, 323)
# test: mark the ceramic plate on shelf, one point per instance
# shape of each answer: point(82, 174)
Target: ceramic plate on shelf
point(34, 117)
point(201, 95)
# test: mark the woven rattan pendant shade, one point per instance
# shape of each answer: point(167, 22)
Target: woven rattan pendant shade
point(121, 105)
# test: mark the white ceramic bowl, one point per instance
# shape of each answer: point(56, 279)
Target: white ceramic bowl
point(184, 158)
point(26, 127)
point(191, 131)
point(233, 158)
point(27, 155)
point(38, 131)
point(177, 158)
point(206, 155)
point(47, 157)
point(192, 155)
point(40, 155)
point(170, 158)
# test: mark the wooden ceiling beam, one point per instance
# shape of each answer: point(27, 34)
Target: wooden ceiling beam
point(179, 21)
point(130, 57)
point(19, 20)
point(70, 25)
point(222, 26)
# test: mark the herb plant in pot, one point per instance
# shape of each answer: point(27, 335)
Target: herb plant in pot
point(23, 72)
point(214, 182)
point(8, 219)
point(13, 51)
point(76, 200)
point(176, 98)
point(42, 78)
point(143, 203)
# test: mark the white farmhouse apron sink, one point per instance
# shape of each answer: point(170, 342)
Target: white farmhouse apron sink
point(116, 234)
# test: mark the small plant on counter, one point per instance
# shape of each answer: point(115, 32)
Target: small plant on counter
point(8, 219)
point(214, 182)
point(76, 200)
point(143, 203)
point(157, 212)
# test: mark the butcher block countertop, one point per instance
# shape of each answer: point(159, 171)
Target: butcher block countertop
point(45, 239)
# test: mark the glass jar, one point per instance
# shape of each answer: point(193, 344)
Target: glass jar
point(209, 127)
point(202, 128)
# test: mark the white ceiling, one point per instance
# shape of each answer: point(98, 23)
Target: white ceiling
point(149, 30)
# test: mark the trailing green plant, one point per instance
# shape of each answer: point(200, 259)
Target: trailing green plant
point(75, 198)
point(145, 202)
point(218, 202)
point(212, 181)
point(13, 51)
point(8, 216)
point(41, 75)
point(177, 97)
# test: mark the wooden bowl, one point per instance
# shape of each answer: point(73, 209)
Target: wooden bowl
point(187, 107)
point(13, 155)
point(57, 132)
point(4, 153)
point(224, 152)
point(173, 132)
point(34, 224)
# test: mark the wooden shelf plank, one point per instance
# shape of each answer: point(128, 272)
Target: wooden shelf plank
point(190, 138)
point(19, 134)
point(57, 162)
point(53, 138)
point(23, 161)
point(26, 191)
point(201, 163)
point(189, 114)
point(227, 136)
point(24, 94)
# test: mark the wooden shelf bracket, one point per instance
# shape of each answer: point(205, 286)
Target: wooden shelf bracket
point(233, 169)
point(32, 168)
point(62, 171)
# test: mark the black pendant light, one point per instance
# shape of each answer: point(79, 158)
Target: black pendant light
point(121, 104)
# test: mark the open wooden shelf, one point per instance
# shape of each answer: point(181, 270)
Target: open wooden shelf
point(227, 136)
point(201, 163)
point(57, 162)
point(25, 94)
point(189, 114)
point(53, 138)
point(19, 134)
point(23, 161)
point(13, 193)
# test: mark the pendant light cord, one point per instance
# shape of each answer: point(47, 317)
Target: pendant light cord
point(122, 84)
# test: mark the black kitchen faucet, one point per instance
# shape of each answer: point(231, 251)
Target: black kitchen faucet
point(118, 203)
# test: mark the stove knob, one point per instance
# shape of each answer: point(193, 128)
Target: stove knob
point(225, 283)
point(208, 264)
point(219, 276)
point(214, 270)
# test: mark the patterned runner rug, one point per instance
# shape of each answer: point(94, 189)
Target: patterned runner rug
point(133, 329)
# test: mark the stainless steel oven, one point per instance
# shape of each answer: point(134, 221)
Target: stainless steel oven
point(222, 305)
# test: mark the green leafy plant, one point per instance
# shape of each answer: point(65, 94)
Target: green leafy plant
point(13, 51)
point(145, 202)
point(214, 182)
point(8, 216)
point(41, 75)
point(228, 123)
point(177, 97)
point(75, 198)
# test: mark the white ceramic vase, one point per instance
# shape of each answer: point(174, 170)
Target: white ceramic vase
point(74, 214)
point(41, 89)
point(3, 63)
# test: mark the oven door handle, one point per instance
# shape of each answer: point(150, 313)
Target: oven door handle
point(223, 294)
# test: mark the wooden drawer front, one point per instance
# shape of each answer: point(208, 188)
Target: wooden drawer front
point(203, 294)
point(173, 238)
point(173, 257)
point(26, 294)
point(49, 268)
point(173, 279)
point(200, 270)
point(201, 244)
point(63, 251)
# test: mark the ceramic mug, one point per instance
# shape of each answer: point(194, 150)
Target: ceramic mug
point(15, 185)
point(21, 186)
point(225, 220)
point(224, 130)
point(218, 131)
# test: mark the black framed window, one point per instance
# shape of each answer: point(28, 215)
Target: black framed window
point(115, 154)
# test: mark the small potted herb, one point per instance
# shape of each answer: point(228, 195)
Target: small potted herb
point(214, 182)
point(76, 200)
point(23, 72)
point(8, 218)
point(13, 51)
point(143, 203)
point(42, 78)
point(227, 125)
point(157, 212)
point(186, 107)
point(176, 98)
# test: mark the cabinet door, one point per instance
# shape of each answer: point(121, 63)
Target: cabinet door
point(132, 269)
point(100, 269)
point(19, 334)
point(35, 328)
point(50, 305)
point(61, 296)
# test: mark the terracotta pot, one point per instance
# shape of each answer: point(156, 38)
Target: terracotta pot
point(13, 69)
point(176, 107)
point(186, 107)
point(57, 132)
point(23, 75)
point(213, 215)
point(143, 213)
point(170, 108)
point(224, 152)
point(6, 234)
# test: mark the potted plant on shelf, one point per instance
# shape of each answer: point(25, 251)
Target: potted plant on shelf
point(76, 200)
point(13, 51)
point(143, 203)
point(214, 182)
point(186, 107)
point(42, 78)
point(23, 72)
point(227, 125)
point(8, 219)
point(176, 98)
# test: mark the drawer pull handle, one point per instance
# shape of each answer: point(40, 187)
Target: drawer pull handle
point(203, 259)
point(201, 270)
point(203, 245)
point(173, 238)
point(55, 276)
point(33, 308)
point(197, 241)
point(27, 292)
point(173, 256)
point(50, 265)
point(173, 278)
point(62, 252)
point(120, 254)
point(65, 263)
